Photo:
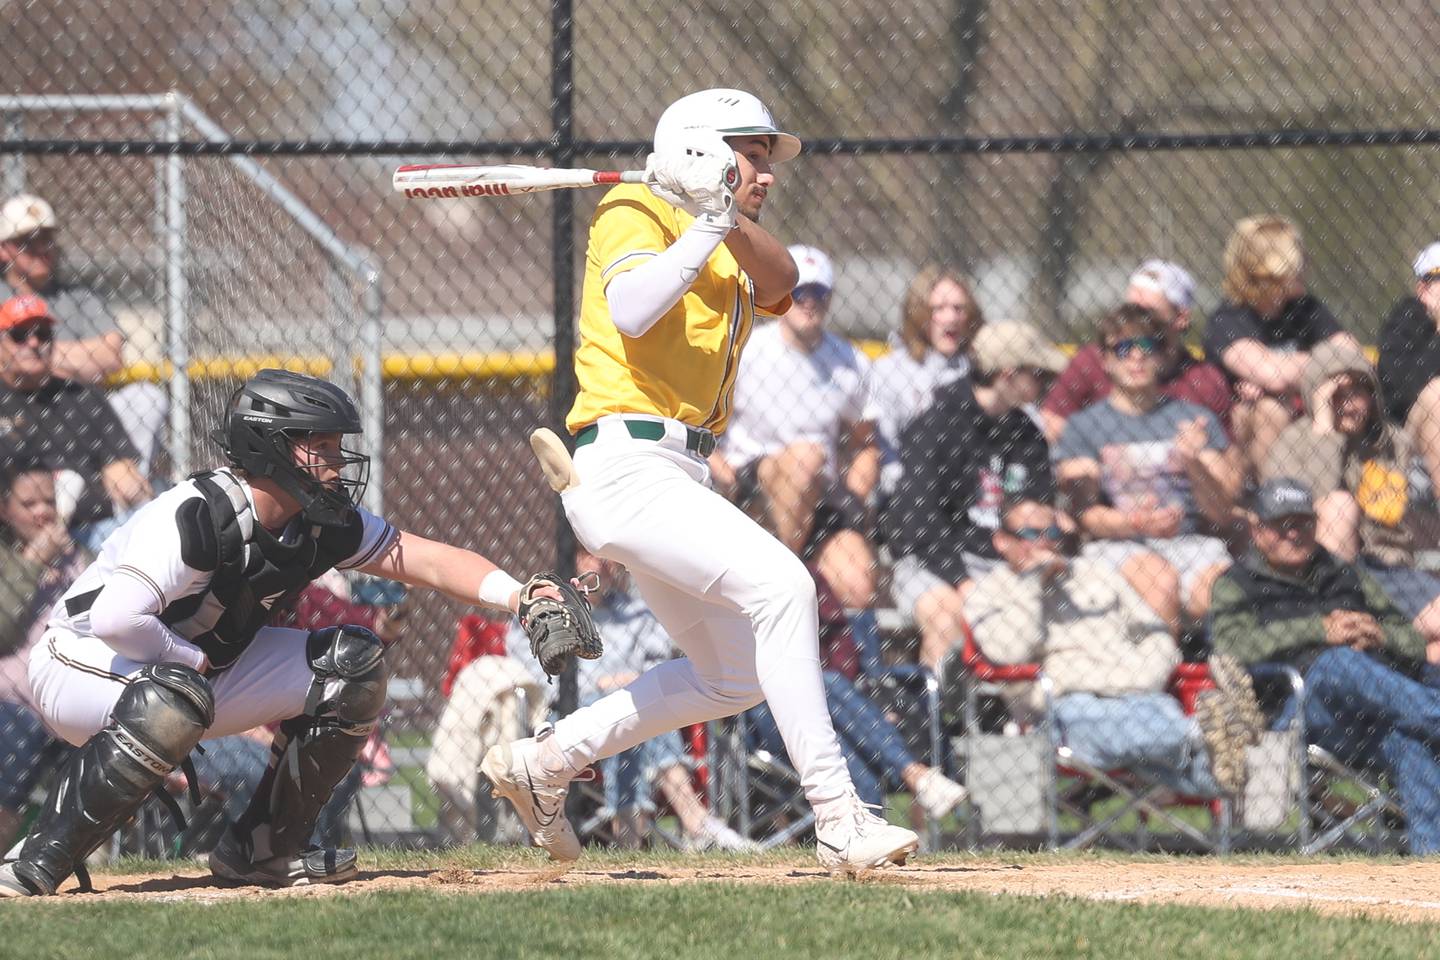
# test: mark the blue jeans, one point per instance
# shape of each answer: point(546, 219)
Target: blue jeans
point(1362, 710)
point(1145, 733)
point(27, 752)
point(873, 748)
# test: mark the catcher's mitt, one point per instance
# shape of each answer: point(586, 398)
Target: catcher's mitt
point(558, 629)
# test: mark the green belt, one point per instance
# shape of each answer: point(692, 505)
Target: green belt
point(697, 441)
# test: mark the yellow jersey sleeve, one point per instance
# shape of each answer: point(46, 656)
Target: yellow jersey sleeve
point(636, 226)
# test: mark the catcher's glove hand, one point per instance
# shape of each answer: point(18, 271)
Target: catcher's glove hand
point(559, 629)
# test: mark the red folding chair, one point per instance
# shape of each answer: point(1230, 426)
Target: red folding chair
point(1147, 800)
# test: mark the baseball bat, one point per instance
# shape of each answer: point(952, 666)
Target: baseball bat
point(451, 180)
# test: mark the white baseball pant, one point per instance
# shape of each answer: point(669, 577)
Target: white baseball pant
point(731, 596)
point(76, 680)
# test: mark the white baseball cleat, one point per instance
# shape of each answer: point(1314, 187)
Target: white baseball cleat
point(849, 839)
point(515, 773)
point(937, 794)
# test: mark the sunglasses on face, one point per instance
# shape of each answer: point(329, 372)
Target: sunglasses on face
point(1031, 534)
point(40, 332)
point(1285, 526)
point(1149, 346)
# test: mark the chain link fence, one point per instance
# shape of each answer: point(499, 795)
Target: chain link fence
point(981, 186)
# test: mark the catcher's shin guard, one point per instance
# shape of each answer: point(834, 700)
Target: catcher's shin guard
point(313, 752)
point(160, 717)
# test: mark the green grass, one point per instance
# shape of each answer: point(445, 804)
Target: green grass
point(823, 919)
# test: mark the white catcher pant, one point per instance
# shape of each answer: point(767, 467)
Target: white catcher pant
point(77, 679)
point(730, 595)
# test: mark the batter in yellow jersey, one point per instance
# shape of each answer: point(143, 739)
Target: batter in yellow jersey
point(684, 366)
point(673, 275)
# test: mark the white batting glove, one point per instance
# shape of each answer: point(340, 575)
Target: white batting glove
point(700, 178)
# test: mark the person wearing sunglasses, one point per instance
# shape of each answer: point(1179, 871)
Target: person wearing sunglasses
point(1108, 657)
point(66, 425)
point(1263, 332)
point(1372, 680)
point(1151, 478)
point(1167, 290)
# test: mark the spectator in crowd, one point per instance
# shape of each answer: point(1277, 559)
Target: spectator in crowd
point(1357, 465)
point(89, 347)
point(1410, 361)
point(876, 751)
point(1147, 474)
point(1373, 687)
point(1263, 332)
point(491, 697)
point(938, 321)
point(60, 423)
point(1168, 291)
point(972, 445)
point(634, 642)
point(799, 447)
point(1109, 659)
point(38, 562)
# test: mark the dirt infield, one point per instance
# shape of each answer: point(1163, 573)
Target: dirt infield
point(1398, 891)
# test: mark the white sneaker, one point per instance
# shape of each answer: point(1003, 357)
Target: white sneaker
point(230, 861)
point(515, 773)
point(938, 795)
point(850, 839)
point(715, 834)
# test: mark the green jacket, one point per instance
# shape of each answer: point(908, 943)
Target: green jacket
point(1260, 615)
point(19, 579)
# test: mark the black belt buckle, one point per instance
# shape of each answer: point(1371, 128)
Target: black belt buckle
point(701, 442)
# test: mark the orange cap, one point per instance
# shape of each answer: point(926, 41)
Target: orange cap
point(21, 310)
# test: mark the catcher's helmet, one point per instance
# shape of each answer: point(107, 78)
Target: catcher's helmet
point(274, 407)
point(730, 113)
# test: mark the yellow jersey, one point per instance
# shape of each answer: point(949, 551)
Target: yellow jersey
point(684, 367)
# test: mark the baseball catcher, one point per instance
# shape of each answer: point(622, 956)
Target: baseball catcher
point(164, 639)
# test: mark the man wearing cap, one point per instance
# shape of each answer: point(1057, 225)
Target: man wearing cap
point(1167, 290)
point(90, 344)
point(1358, 467)
point(972, 447)
point(1373, 691)
point(1149, 475)
point(29, 261)
point(1108, 659)
point(1410, 360)
point(800, 442)
point(65, 425)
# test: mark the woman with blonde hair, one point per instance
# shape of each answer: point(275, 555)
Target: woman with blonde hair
point(1263, 332)
point(939, 318)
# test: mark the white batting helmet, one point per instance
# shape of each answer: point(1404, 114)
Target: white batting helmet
point(730, 113)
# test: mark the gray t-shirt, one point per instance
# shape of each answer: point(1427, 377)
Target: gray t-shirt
point(1137, 468)
point(80, 313)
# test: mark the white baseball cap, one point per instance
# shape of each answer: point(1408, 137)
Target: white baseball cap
point(815, 268)
point(1428, 262)
point(1170, 280)
point(730, 113)
point(24, 214)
